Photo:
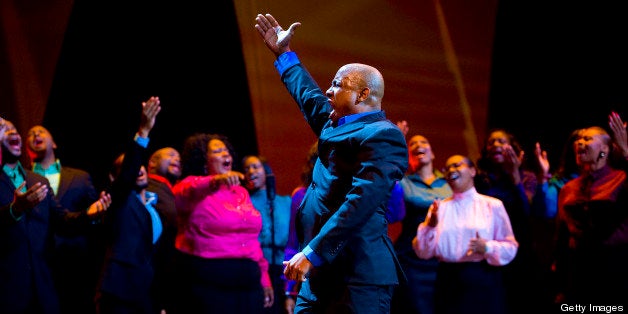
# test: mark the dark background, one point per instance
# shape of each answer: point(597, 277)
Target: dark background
point(557, 66)
point(82, 68)
point(117, 54)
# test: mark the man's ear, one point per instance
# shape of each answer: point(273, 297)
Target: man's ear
point(364, 94)
point(151, 163)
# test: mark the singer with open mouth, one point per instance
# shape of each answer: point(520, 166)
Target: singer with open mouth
point(471, 235)
point(220, 265)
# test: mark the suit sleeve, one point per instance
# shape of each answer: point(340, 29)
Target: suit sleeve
point(312, 101)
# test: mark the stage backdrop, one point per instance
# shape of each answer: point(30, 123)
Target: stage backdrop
point(453, 69)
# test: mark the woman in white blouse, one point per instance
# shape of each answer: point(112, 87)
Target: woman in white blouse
point(471, 235)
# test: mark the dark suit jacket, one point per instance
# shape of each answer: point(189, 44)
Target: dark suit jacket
point(342, 217)
point(78, 249)
point(166, 209)
point(25, 249)
point(128, 267)
point(164, 286)
point(76, 193)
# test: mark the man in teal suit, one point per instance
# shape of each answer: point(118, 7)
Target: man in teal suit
point(347, 263)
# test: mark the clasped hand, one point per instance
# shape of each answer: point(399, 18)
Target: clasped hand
point(229, 179)
point(476, 245)
point(297, 267)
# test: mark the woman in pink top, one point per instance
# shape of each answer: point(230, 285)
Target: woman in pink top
point(220, 265)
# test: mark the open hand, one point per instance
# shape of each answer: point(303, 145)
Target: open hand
point(29, 199)
point(150, 109)
point(618, 126)
point(544, 162)
point(276, 39)
point(101, 205)
point(432, 218)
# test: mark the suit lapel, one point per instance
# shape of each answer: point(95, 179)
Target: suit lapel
point(140, 211)
point(65, 178)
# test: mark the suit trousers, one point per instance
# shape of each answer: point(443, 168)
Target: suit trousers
point(348, 299)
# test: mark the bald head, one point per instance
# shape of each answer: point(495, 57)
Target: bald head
point(366, 76)
point(40, 145)
point(166, 162)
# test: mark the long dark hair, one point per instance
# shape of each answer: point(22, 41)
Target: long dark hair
point(271, 184)
point(567, 165)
